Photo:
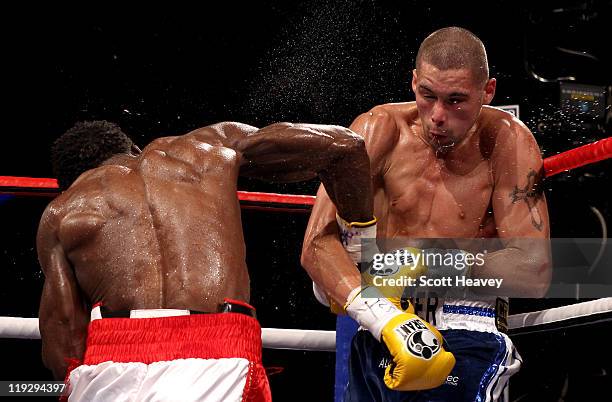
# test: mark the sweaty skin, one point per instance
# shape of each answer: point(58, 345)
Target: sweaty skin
point(446, 166)
point(163, 230)
point(423, 196)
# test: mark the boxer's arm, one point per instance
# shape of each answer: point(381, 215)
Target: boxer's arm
point(62, 316)
point(323, 255)
point(286, 152)
point(521, 216)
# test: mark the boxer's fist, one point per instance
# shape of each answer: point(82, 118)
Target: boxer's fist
point(402, 304)
point(419, 359)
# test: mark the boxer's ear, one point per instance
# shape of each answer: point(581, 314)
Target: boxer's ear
point(489, 91)
point(414, 80)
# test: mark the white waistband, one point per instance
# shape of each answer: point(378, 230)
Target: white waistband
point(148, 313)
point(472, 315)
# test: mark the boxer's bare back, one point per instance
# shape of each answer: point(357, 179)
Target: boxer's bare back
point(159, 230)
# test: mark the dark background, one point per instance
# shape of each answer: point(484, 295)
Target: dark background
point(159, 71)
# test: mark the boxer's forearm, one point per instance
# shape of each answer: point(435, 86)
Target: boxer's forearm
point(349, 185)
point(330, 267)
point(62, 341)
point(56, 357)
point(323, 254)
point(62, 320)
point(526, 272)
point(288, 152)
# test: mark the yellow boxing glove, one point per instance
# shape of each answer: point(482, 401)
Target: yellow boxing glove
point(419, 359)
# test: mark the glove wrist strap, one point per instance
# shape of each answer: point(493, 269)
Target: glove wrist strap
point(351, 234)
point(372, 312)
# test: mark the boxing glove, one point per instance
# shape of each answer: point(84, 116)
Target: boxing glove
point(419, 360)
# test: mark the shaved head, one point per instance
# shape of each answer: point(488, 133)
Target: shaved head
point(455, 48)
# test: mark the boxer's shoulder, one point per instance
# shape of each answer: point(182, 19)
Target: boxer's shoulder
point(68, 208)
point(380, 126)
point(93, 188)
point(502, 124)
point(504, 132)
point(199, 150)
point(393, 113)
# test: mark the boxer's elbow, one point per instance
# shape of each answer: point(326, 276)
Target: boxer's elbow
point(308, 257)
point(348, 144)
point(313, 250)
point(356, 145)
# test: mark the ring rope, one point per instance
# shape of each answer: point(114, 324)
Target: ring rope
point(272, 338)
point(584, 155)
point(317, 340)
point(590, 312)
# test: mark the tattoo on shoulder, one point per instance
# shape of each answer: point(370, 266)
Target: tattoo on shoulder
point(530, 194)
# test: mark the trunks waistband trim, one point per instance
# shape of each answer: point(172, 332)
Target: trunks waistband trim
point(203, 336)
point(228, 306)
point(468, 310)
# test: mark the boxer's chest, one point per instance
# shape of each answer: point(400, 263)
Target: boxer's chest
point(425, 199)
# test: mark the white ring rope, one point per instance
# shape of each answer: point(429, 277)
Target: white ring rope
point(18, 327)
point(557, 314)
point(299, 339)
point(317, 340)
point(272, 338)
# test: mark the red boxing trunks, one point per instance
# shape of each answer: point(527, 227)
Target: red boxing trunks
point(186, 357)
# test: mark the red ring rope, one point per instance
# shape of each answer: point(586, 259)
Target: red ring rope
point(584, 155)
